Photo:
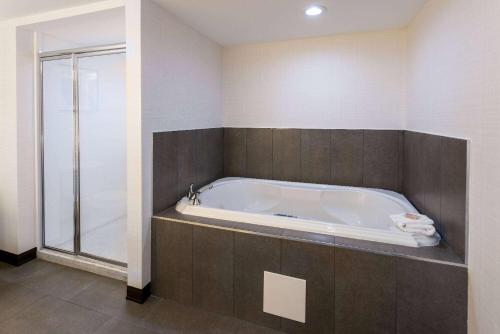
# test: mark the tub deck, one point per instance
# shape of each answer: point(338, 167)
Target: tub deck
point(440, 254)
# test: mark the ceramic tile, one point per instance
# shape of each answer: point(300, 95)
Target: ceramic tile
point(174, 261)
point(315, 264)
point(213, 269)
point(347, 157)
point(381, 160)
point(315, 156)
point(164, 170)
point(235, 151)
point(453, 193)
point(365, 292)
point(432, 298)
point(259, 153)
point(286, 154)
point(254, 255)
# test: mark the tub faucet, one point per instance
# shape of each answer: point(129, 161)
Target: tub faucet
point(193, 195)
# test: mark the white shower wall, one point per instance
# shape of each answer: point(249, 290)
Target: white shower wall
point(103, 180)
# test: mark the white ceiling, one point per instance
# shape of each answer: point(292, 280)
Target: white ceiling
point(16, 8)
point(249, 21)
point(231, 22)
point(100, 28)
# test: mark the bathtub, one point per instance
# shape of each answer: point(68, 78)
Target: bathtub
point(351, 212)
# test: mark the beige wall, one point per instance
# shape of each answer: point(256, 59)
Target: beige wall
point(454, 89)
point(344, 81)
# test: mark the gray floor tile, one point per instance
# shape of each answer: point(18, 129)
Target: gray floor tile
point(62, 282)
point(118, 325)
point(3, 282)
point(249, 328)
point(5, 266)
point(53, 315)
point(169, 316)
point(28, 270)
point(107, 296)
point(98, 307)
point(14, 298)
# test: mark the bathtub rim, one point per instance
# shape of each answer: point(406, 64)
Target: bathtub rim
point(309, 225)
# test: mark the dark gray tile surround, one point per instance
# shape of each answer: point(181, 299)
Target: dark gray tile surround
point(435, 181)
point(432, 292)
point(365, 292)
point(184, 157)
point(255, 255)
point(349, 290)
point(213, 268)
point(313, 263)
point(369, 158)
point(429, 170)
point(219, 269)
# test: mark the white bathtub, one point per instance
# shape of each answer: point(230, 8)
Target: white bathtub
point(351, 212)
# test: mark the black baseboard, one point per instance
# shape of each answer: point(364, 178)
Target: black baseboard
point(18, 259)
point(139, 295)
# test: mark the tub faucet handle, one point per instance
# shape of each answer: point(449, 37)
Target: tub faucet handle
point(193, 195)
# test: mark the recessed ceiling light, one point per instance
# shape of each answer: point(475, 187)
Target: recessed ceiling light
point(315, 10)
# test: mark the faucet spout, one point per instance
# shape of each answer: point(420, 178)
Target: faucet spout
point(193, 195)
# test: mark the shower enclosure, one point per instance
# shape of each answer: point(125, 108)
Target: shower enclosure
point(84, 152)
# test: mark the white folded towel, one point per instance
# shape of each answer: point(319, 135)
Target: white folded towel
point(414, 223)
point(412, 218)
point(424, 229)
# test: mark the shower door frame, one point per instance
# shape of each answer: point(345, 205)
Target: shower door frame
point(74, 55)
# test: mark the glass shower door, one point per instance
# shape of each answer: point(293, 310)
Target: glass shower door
point(58, 154)
point(102, 155)
point(84, 153)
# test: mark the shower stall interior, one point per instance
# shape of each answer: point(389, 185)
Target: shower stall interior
point(83, 145)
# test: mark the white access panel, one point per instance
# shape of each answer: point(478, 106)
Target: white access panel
point(285, 296)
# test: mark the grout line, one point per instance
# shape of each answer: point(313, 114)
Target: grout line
point(363, 181)
point(334, 281)
point(192, 265)
point(396, 295)
point(281, 272)
point(273, 131)
point(399, 157)
point(245, 136)
point(300, 155)
point(224, 172)
point(330, 157)
point(178, 163)
point(234, 273)
point(440, 181)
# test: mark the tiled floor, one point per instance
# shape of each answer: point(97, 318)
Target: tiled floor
point(41, 297)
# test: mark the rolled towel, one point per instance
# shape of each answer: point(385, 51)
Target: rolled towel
point(412, 218)
point(424, 229)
